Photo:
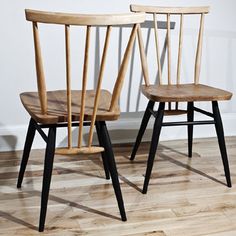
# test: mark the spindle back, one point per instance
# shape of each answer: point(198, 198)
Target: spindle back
point(168, 12)
point(88, 21)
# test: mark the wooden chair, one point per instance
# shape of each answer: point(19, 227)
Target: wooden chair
point(175, 91)
point(67, 108)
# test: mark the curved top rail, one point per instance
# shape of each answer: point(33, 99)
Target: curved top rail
point(170, 10)
point(83, 19)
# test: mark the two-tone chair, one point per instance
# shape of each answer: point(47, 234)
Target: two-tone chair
point(68, 108)
point(170, 90)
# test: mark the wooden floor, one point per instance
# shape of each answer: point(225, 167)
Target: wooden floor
point(185, 197)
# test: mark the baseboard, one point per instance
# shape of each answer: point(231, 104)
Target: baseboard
point(123, 130)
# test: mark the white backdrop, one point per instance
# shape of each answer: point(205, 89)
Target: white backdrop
point(17, 71)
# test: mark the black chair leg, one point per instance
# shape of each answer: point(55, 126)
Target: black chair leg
point(48, 166)
point(154, 143)
point(142, 129)
point(112, 168)
point(221, 140)
point(104, 157)
point(28, 144)
point(190, 116)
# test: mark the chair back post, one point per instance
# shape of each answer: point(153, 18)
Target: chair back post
point(168, 48)
point(84, 85)
point(157, 48)
point(89, 21)
point(143, 58)
point(39, 70)
point(180, 48)
point(123, 69)
point(68, 83)
point(99, 83)
point(199, 50)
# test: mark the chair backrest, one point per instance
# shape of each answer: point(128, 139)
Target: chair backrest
point(169, 11)
point(67, 19)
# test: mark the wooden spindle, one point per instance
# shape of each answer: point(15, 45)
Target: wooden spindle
point(39, 70)
point(179, 54)
point(143, 57)
point(169, 54)
point(123, 69)
point(68, 84)
point(84, 85)
point(157, 48)
point(199, 50)
point(168, 48)
point(98, 90)
point(180, 49)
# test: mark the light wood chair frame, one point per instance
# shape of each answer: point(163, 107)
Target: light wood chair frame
point(159, 114)
point(103, 136)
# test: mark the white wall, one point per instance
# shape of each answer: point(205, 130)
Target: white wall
point(17, 72)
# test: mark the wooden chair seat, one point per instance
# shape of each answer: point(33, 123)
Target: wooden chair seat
point(184, 93)
point(57, 106)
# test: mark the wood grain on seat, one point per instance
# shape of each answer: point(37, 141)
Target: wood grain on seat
point(184, 93)
point(57, 106)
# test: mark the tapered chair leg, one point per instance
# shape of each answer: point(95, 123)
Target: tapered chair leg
point(221, 140)
point(112, 168)
point(104, 157)
point(26, 152)
point(48, 166)
point(190, 116)
point(142, 129)
point(154, 143)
